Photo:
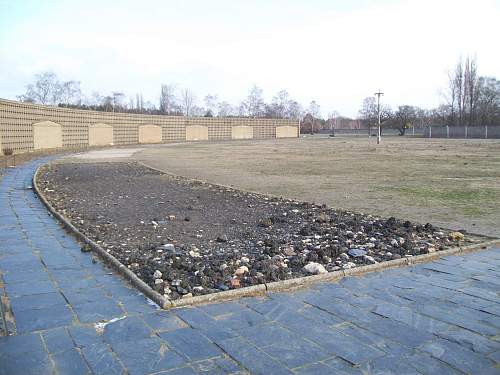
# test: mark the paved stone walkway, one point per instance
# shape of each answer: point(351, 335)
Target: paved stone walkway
point(437, 318)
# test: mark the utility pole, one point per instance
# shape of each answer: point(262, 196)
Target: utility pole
point(378, 110)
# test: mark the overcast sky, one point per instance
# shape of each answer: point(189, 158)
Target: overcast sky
point(335, 52)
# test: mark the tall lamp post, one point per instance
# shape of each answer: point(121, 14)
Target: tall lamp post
point(379, 134)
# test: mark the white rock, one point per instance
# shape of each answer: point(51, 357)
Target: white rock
point(315, 268)
point(223, 266)
point(169, 246)
point(241, 271)
point(369, 259)
point(344, 257)
point(394, 242)
point(349, 265)
point(245, 259)
point(157, 274)
point(194, 254)
point(158, 281)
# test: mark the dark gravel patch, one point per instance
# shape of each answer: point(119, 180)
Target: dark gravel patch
point(186, 237)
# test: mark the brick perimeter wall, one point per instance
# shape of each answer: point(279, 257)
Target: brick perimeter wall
point(17, 120)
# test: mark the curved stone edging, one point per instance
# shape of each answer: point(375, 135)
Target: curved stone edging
point(260, 289)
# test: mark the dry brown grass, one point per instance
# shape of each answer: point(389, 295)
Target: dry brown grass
point(452, 183)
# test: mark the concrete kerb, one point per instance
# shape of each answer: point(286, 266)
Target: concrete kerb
point(260, 289)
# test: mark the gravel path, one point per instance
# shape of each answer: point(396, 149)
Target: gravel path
point(187, 238)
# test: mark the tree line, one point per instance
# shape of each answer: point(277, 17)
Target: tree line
point(469, 99)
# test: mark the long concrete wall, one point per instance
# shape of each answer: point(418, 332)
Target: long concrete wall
point(27, 127)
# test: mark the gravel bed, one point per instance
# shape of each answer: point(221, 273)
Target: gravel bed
point(186, 237)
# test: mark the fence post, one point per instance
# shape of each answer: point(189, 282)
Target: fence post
point(430, 131)
point(465, 131)
point(486, 131)
point(447, 131)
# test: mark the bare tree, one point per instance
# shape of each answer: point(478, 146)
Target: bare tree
point(167, 98)
point(45, 90)
point(254, 104)
point(70, 92)
point(224, 109)
point(210, 104)
point(188, 99)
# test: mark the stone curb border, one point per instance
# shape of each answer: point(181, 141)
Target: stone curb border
point(261, 289)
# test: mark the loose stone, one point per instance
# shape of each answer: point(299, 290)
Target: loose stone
point(315, 268)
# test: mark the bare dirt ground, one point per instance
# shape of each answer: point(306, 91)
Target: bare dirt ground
point(447, 182)
point(185, 237)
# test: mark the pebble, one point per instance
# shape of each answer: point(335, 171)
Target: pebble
point(344, 257)
point(157, 274)
point(240, 271)
point(169, 247)
point(223, 266)
point(158, 281)
point(187, 295)
point(315, 268)
point(356, 252)
point(349, 265)
point(369, 259)
point(394, 242)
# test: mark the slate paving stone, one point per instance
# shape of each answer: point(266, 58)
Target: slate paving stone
point(17, 345)
point(191, 343)
point(341, 367)
point(390, 365)
point(79, 297)
point(58, 340)
point(453, 316)
point(102, 310)
point(85, 336)
point(182, 371)
point(144, 356)
point(314, 369)
point(268, 334)
point(295, 353)
point(127, 329)
point(71, 362)
point(251, 358)
point(136, 304)
point(26, 364)
point(495, 356)
point(398, 332)
point(429, 365)
point(42, 319)
point(457, 356)
point(332, 340)
point(30, 288)
point(216, 366)
point(218, 309)
point(102, 360)
point(36, 274)
point(163, 321)
point(37, 301)
point(317, 315)
point(373, 321)
point(244, 318)
point(407, 316)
